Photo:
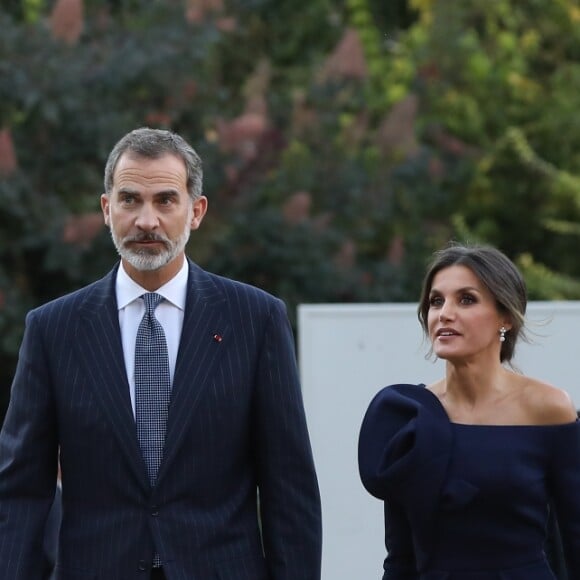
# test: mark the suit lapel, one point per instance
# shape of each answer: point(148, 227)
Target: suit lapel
point(100, 350)
point(204, 336)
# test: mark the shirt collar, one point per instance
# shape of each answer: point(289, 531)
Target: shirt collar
point(174, 291)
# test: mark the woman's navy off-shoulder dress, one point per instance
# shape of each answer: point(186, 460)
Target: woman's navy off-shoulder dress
point(468, 502)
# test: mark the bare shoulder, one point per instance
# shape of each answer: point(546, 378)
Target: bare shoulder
point(437, 388)
point(546, 404)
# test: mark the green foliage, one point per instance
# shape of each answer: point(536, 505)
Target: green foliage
point(544, 284)
point(32, 9)
point(501, 79)
point(269, 28)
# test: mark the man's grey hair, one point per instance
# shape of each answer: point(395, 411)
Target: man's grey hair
point(152, 144)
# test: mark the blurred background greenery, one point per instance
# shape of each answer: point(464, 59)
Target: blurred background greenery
point(343, 140)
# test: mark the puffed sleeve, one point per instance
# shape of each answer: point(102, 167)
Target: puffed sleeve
point(564, 480)
point(404, 452)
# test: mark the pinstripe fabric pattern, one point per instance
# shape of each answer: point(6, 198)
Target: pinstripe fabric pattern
point(235, 425)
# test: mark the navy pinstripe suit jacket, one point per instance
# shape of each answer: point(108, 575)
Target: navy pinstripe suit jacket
point(236, 424)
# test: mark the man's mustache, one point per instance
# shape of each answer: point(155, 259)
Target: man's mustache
point(146, 238)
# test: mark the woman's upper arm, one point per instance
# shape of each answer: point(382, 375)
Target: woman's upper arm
point(400, 561)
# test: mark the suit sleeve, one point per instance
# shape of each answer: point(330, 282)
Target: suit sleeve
point(400, 561)
point(288, 489)
point(28, 462)
point(565, 483)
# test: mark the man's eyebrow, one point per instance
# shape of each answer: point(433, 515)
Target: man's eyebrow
point(131, 191)
point(128, 190)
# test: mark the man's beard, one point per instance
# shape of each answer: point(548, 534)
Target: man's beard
point(149, 259)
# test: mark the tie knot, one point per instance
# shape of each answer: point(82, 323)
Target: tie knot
point(151, 300)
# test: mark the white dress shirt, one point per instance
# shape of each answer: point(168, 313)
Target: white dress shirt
point(169, 313)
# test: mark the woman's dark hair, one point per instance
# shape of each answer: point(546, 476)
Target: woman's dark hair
point(497, 273)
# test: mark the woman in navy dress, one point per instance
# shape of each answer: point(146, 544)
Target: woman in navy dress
point(467, 466)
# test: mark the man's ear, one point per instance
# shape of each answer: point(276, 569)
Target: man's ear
point(105, 206)
point(199, 211)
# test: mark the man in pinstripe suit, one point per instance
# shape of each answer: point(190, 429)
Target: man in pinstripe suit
point(235, 426)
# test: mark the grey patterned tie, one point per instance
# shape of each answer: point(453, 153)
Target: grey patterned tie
point(152, 386)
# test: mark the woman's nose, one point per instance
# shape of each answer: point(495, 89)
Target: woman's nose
point(446, 312)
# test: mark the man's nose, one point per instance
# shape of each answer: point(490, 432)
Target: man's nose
point(147, 218)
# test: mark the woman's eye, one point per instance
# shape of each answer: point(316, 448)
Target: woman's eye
point(467, 299)
point(435, 301)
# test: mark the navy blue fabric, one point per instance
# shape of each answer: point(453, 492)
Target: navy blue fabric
point(51, 532)
point(468, 502)
point(236, 423)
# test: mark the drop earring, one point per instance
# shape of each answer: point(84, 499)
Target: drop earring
point(502, 332)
